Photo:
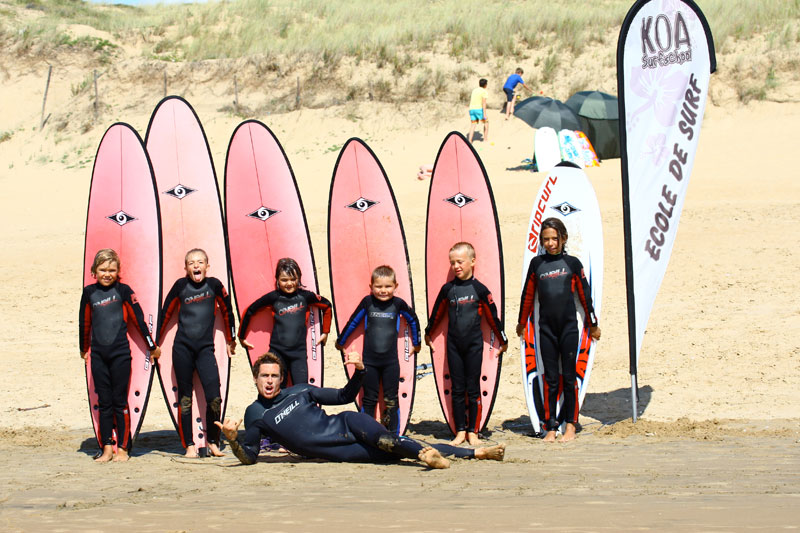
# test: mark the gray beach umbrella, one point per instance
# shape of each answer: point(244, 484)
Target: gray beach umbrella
point(594, 104)
point(598, 113)
point(541, 111)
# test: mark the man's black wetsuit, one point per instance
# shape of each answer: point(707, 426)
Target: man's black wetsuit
point(381, 327)
point(288, 339)
point(295, 420)
point(558, 278)
point(102, 319)
point(193, 348)
point(465, 302)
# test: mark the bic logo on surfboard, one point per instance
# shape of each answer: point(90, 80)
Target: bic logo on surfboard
point(565, 208)
point(459, 200)
point(121, 218)
point(362, 204)
point(180, 191)
point(263, 213)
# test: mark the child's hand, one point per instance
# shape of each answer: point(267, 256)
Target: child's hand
point(339, 347)
point(594, 331)
point(429, 342)
point(520, 330)
point(246, 344)
point(502, 348)
point(231, 348)
point(322, 339)
point(354, 358)
point(417, 348)
point(156, 353)
point(230, 428)
point(83, 356)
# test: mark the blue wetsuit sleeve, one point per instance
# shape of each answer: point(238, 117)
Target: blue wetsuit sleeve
point(411, 318)
point(85, 322)
point(265, 301)
point(358, 315)
point(347, 394)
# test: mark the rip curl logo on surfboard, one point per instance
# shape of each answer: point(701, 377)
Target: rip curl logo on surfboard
point(180, 191)
point(565, 208)
point(362, 204)
point(459, 200)
point(121, 218)
point(263, 213)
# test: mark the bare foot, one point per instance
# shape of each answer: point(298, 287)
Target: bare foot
point(214, 450)
point(191, 451)
point(432, 458)
point(473, 439)
point(121, 456)
point(106, 456)
point(569, 433)
point(494, 453)
point(550, 437)
point(461, 437)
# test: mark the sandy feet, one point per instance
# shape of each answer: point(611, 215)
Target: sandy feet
point(433, 458)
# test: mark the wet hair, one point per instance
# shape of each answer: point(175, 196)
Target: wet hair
point(384, 271)
point(195, 251)
point(483, 82)
point(288, 266)
point(561, 229)
point(520, 71)
point(463, 246)
point(106, 254)
point(268, 358)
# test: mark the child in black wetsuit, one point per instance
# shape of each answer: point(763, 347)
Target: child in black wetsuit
point(465, 300)
point(558, 277)
point(196, 298)
point(380, 312)
point(290, 305)
point(105, 307)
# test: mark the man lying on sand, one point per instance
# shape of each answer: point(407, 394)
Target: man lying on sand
point(293, 418)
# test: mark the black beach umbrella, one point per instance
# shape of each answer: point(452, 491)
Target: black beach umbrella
point(541, 111)
point(598, 113)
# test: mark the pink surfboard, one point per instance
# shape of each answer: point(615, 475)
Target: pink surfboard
point(461, 208)
point(266, 222)
point(364, 232)
point(123, 215)
point(191, 217)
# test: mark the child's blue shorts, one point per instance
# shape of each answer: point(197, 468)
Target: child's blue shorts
point(476, 115)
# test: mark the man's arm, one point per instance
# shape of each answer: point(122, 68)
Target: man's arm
point(247, 451)
point(348, 393)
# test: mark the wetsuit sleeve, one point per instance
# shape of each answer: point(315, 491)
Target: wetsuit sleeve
point(411, 318)
point(265, 301)
point(439, 310)
point(223, 300)
point(323, 304)
point(171, 304)
point(347, 394)
point(246, 449)
point(489, 311)
point(132, 308)
point(581, 286)
point(528, 292)
point(355, 319)
point(85, 322)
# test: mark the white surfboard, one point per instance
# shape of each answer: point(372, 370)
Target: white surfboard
point(566, 193)
point(546, 150)
point(570, 149)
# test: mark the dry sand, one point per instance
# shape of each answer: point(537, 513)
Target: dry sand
point(717, 444)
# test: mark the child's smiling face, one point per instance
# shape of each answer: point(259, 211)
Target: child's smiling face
point(383, 288)
point(196, 266)
point(461, 263)
point(107, 273)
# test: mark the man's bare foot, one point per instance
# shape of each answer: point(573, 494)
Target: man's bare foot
point(106, 456)
point(461, 437)
point(191, 451)
point(473, 439)
point(121, 456)
point(431, 457)
point(569, 433)
point(550, 437)
point(494, 453)
point(214, 450)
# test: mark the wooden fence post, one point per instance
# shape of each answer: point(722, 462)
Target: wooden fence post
point(44, 100)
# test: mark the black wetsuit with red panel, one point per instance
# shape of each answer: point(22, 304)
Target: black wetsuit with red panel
point(465, 302)
point(290, 313)
point(193, 348)
point(295, 420)
point(381, 321)
point(104, 313)
point(558, 278)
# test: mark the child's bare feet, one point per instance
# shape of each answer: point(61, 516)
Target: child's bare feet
point(432, 458)
point(107, 455)
point(569, 433)
point(191, 451)
point(461, 437)
point(550, 437)
point(494, 453)
point(214, 450)
point(473, 439)
point(121, 456)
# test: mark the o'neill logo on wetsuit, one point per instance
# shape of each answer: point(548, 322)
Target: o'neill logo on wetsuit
point(280, 416)
point(180, 191)
point(121, 218)
point(553, 274)
point(362, 204)
point(294, 308)
point(263, 213)
point(565, 208)
point(105, 301)
point(459, 200)
point(462, 300)
point(197, 297)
